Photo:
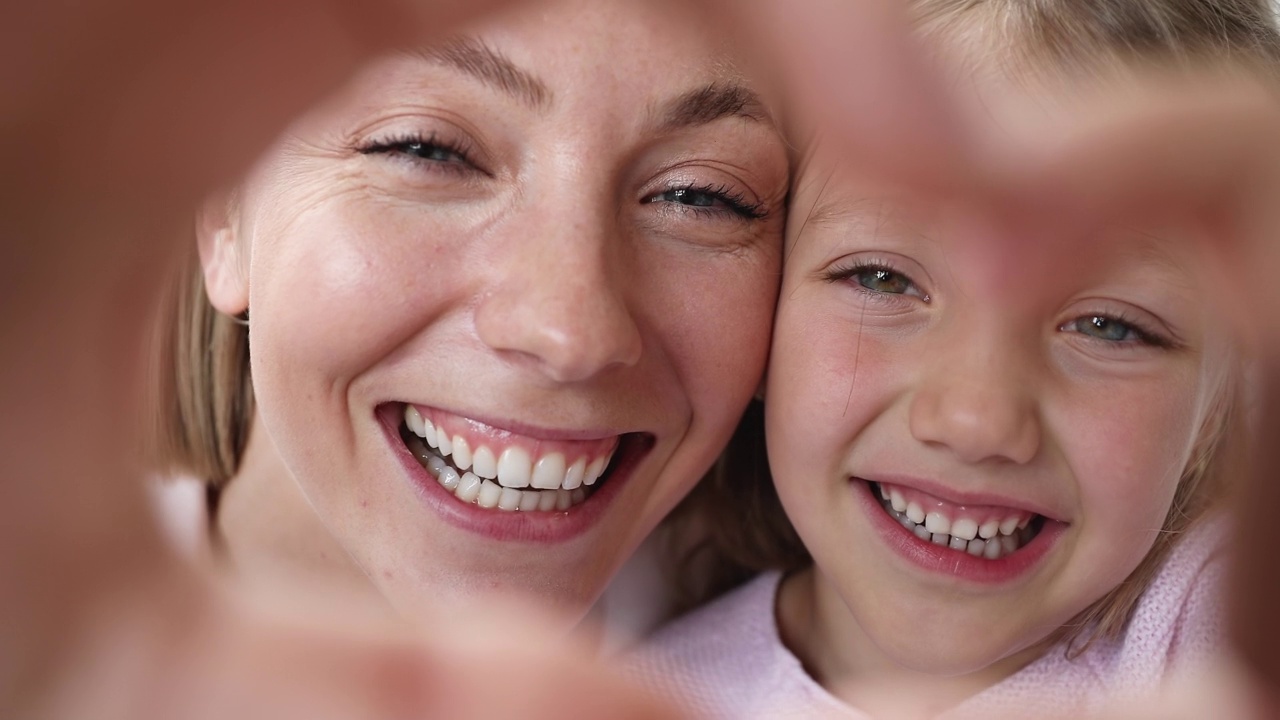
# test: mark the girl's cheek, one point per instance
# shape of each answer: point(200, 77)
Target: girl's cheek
point(1131, 447)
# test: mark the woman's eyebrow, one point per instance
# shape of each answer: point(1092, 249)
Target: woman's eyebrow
point(471, 56)
point(710, 103)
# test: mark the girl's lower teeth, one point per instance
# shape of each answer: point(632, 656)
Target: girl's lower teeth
point(472, 489)
point(992, 549)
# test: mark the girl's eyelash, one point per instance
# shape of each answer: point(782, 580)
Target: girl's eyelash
point(848, 269)
point(847, 272)
point(1145, 335)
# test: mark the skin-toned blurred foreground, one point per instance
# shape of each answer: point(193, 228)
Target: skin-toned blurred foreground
point(120, 116)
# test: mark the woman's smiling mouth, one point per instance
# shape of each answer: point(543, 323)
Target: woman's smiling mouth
point(521, 483)
point(503, 470)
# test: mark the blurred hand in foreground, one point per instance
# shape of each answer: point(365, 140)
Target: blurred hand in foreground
point(121, 115)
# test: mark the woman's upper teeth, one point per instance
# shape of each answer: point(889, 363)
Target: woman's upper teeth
point(546, 466)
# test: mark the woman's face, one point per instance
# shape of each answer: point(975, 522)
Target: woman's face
point(976, 446)
point(556, 241)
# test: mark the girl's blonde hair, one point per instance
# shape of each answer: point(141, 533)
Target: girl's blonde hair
point(733, 525)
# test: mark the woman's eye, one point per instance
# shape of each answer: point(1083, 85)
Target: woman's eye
point(429, 151)
point(432, 152)
point(683, 196)
point(710, 199)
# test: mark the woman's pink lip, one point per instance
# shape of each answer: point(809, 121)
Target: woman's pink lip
point(957, 497)
point(957, 564)
point(504, 526)
point(499, 426)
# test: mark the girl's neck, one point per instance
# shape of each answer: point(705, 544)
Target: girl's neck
point(816, 625)
point(266, 533)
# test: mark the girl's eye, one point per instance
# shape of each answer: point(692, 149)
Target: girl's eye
point(877, 278)
point(1114, 330)
point(882, 280)
point(710, 199)
point(1104, 328)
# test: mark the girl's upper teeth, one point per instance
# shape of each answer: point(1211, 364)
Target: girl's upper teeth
point(513, 466)
point(941, 518)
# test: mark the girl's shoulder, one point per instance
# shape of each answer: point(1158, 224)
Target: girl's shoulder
point(1178, 626)
point(1181, 618)
point(726, 659)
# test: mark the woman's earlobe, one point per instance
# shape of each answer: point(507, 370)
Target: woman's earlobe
point(226, 278)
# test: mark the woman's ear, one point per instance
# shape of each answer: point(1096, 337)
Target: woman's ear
point(226, 277)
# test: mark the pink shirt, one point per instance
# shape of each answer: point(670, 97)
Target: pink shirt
point(726, 660)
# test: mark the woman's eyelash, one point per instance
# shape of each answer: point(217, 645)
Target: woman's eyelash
point(735, 202)
point(418, 147)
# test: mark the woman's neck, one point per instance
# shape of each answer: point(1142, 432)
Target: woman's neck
point(816, 625)
point(266, 532)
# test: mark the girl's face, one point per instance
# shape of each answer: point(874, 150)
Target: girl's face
point(975, 447)
point(556, 242)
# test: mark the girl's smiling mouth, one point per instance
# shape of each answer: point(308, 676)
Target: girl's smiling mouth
point(989, 532)
point(989, 543)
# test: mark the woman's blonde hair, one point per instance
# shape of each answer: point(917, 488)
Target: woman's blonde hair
point(203, 399)
point(733, 525)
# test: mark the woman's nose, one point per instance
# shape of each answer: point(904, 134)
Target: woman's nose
point(560, 300)
point(976, 400)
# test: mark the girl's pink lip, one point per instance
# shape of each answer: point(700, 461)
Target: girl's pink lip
point(957, 564)
point(503, 526)
point(956, 497)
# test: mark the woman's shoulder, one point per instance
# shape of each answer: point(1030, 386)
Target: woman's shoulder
point(182, 512)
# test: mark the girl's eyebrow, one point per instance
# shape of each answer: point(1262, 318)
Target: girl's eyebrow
point(471, 56)
point(833, 209)
point(878, 215)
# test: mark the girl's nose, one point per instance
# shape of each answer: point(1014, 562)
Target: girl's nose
point(560, 301)
point(975, 400)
